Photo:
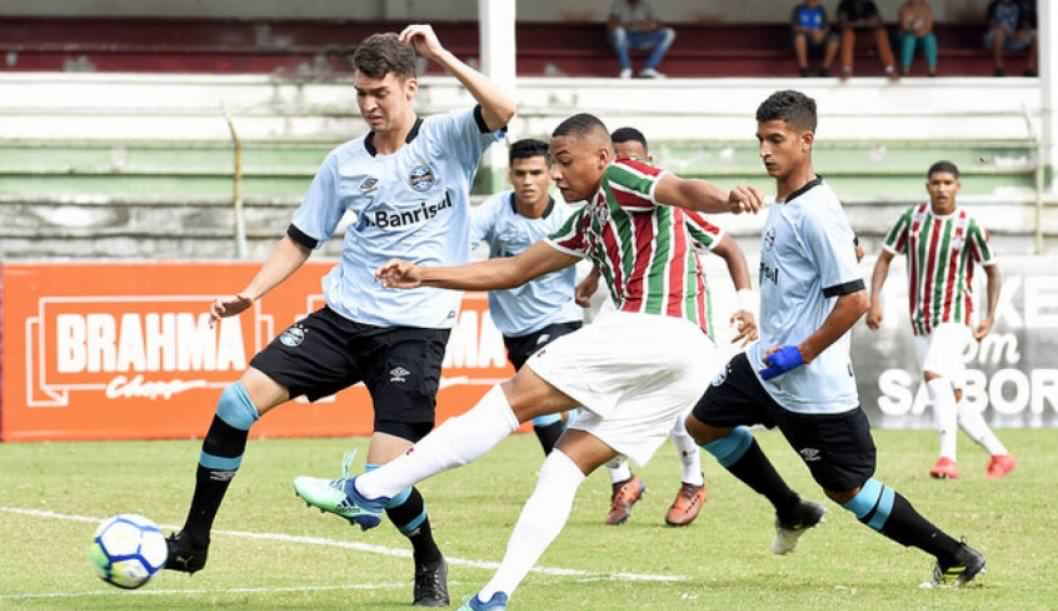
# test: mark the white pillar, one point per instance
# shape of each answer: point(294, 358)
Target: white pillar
point(1048, 25)
point(496, 19)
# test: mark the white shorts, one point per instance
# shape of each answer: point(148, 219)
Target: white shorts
point(633, 374)
point(942, 351)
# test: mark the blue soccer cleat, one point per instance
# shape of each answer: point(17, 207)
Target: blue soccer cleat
point(498, 602)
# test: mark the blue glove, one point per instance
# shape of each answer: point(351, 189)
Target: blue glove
point(782, 360)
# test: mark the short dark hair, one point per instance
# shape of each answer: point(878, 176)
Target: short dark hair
point(629, 134)
point(380, 54)
point(528, 147)
point(791, 106)
point(580, 124)
point(943, 166)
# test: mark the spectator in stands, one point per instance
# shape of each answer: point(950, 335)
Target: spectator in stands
point(812, 36)
point(1011, 28)
point(916, 26)
point(633, 24)
point(856, 15)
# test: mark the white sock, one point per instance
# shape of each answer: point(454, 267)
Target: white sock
point(945, 414)
point(975, 426)
point(542, 518)
point(619, 470)
point(458, 441)
point(688, 451)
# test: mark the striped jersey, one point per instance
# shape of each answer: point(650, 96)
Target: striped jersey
point(643, 249)
point(941, 252)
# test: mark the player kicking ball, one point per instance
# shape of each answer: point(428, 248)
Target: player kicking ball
point(633, 370)
point(799, 376)
point(943, 243)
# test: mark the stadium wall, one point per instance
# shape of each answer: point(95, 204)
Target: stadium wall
point(123, 350)
point(721, 11)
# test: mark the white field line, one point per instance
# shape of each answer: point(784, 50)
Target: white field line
point(380, 550)
point(157, 592)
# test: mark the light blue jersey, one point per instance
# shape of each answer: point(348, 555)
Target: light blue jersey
point(542, 301)
point(807, 261)
point(413, 204)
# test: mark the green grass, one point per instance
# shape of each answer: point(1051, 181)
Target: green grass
point(724, 555)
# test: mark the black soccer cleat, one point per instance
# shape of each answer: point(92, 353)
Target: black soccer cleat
point(967, 564)
point(431, 584)
point(789, 528)
point(185, 556)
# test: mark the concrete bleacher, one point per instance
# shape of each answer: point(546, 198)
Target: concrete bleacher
point(322, 48)
point(141, 165)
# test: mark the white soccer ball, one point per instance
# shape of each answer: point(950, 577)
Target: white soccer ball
point(127, 550)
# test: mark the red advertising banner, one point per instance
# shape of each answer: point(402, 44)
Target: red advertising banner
point(123, 350)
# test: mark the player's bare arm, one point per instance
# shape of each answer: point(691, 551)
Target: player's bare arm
point(848, 309)
point(743, 320)
point(499, 273)
point(286, 258)
point(878, 276)
point(496, 107)
point(994, 285)
point(587, 287)
point(703, 196)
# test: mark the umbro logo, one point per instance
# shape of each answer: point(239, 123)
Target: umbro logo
point(221, 476)
point(398, 374)
point(542, 339)
point(810, 454)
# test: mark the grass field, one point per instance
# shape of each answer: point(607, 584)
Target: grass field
point(285, 556)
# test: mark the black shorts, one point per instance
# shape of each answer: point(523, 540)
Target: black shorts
point(836, 448)
point(520, 348)
point(401, 366)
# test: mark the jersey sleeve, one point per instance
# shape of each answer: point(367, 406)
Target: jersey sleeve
point(462, 135)
point(317, 217)
point(895, 241)
point(980, 243)
point(482, 221)
point(631, 184)
point(827, 235)
point(704, 233)
point(572, 237)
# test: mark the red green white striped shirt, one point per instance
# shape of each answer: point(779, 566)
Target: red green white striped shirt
point(644, 250)
point(941, 253)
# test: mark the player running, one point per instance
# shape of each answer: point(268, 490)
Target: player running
point(943, 243)
point(408, 182)
point(633, 370)
point(799, 376)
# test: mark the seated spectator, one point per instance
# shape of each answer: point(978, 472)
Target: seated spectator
point(856, 15)
point(916, 26)
point(633, 24)
point(1011, 29)
point(812, 36)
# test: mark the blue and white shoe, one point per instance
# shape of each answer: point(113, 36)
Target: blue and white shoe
point(498, 602)
point(339, 496)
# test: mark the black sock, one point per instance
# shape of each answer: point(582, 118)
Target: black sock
point(757, 472)
point(223, 442)
point(411, 519)
point(549, 434)
point(907, 527)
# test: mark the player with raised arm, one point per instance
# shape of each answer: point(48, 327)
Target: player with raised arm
point(408, 182)
point(633, 370)
point(627, 488)
point(799, 376)
point(943, 243)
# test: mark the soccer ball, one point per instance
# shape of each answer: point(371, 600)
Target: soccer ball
point(127, 550)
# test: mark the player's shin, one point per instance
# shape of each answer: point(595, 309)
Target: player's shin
point(458, 441)
point(888, 512)
point(542, 519)
point(739, 453)
point(221, 456)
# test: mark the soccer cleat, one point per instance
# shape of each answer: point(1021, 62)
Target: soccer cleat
point(498, 602)
point(183, 555)
point(1000, 466)
point(339, 496)
point(687, 505)
point(625, 495)
point(944, 468)
point(804, 515)
point(431, 584)
point(967, 564)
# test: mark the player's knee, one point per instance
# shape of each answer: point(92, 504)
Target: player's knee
point(730, 448)
point(842, 497)
point(236, 408)
point(410, 431)
point(701, 432)
point(929, 376)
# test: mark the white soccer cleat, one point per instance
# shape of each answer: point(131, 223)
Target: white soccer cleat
point(805, 515)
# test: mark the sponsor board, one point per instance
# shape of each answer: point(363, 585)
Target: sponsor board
point(105, 350)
